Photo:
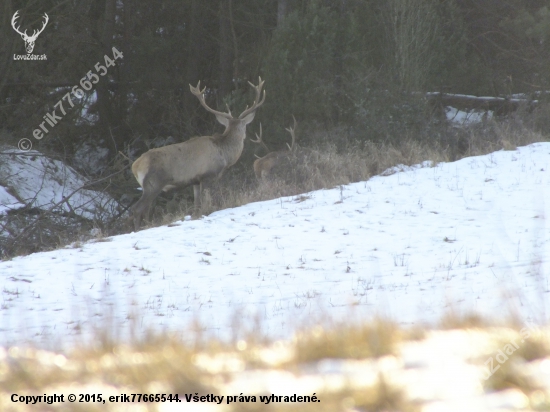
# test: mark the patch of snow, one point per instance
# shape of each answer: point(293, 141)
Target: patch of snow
point(40, 182)
point(461, 117)
point(8, 202)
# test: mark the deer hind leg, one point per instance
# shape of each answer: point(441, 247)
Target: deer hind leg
point(203, 195)
point(207, 193)
point(142, 208)
point(197, 193)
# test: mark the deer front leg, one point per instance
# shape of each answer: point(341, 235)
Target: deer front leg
point(197, 193)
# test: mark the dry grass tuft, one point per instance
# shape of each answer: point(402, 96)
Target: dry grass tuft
point(454, 320)
point(164, 363)
point(375, 339)
point(383, 397)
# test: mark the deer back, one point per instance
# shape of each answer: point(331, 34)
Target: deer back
point(182, 163)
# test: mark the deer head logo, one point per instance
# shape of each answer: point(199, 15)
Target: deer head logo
point(29, 40)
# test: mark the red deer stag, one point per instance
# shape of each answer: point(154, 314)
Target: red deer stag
point(264, 165)
point(195, 160)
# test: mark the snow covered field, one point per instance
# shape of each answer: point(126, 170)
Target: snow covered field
point(468, 236)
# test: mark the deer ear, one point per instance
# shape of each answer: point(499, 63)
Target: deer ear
point(223, 120)
point(248, 118)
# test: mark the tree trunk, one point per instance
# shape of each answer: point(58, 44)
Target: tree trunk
point(123, 134)
point(104, 103)
point(8, 46)
point(225, 82)
point(194, 58)
point(339, 57)
point(281, 11)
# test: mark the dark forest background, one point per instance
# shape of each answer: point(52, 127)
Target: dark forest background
point(354, 73)
point(351, 65)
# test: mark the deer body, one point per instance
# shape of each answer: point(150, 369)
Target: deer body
point(190, 162)
point(263, 166)
point(193, 161)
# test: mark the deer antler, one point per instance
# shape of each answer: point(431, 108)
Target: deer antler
point(257, 103)
point(291, 131)
point(200, 95)
point(259, 140)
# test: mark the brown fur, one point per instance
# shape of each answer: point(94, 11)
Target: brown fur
point(263, 166)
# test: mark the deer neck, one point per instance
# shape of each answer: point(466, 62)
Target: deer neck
point(231, 144)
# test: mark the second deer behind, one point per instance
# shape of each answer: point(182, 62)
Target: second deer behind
point(264, 166)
